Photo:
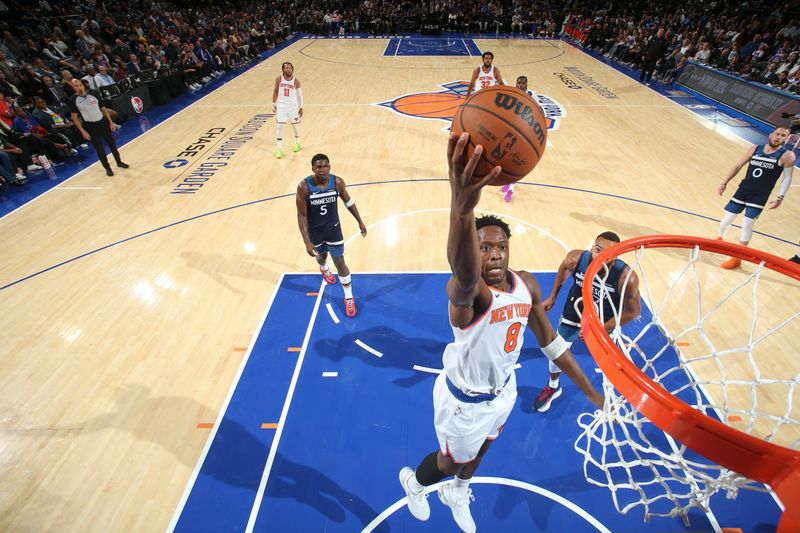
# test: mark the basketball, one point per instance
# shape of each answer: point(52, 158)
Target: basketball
point(509, 125)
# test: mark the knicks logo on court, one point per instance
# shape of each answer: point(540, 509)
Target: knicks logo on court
point(442, 105)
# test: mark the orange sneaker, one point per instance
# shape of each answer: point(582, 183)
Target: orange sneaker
point(730, 264)
point(350, 307)
point(329, 277)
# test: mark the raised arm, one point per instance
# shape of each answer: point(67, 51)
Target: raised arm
point(736, 168)
point(466, 290)
point(350, 204)
point(565, 269)
point(553, 346)
point(302, 217)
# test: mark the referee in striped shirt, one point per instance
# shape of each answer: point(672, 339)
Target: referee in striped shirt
point(94, 123)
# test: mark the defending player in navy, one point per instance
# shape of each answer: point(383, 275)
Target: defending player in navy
point(620, 285)
point(318, 218)
point(489, 306)
point(764, 166)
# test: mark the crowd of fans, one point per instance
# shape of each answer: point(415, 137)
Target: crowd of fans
point(751, 39)
point(45, 44)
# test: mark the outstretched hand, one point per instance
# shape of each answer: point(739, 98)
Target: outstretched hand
point(466, 189)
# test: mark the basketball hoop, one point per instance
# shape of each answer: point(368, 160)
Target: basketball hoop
point(669, 386)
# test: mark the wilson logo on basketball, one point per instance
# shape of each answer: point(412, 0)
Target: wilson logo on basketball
point(442, 105)
point(507, 101)
point(137, 104)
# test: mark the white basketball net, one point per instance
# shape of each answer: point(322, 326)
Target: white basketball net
point(724, 343)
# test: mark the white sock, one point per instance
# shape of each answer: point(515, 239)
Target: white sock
point(348, 290)
point(726, 221)
point(296, 129)
point(461, 484)
point(326, 268)
point(280, 136)
point(553, 383)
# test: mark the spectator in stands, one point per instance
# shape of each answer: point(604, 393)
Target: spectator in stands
point(41, 69)
point(7, 87)
point(10, 174)
point(56, 147)
point(54, 95)
point(66, 83)
point(791, 64)
point(89, 77)
point(84, 43)
point(6, 111)
point(771, 74)
point(704, 53)
point(102, 79)
point(54, 122)
point(29, 82)
point(133, 67)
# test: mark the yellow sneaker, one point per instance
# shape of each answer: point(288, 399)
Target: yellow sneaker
point(279, 153)
point(296, 147)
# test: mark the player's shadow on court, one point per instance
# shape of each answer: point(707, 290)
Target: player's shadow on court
point(540, 507)
point(625, 229)
point(223, 267)
point(310, 487)
point(399, 352)
point(399, 299)
point(236, 457)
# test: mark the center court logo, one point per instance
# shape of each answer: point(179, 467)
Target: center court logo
point(442, 105)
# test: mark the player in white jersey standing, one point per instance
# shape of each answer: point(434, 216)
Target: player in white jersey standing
point(489, 305)
point(486, 75)
point(522, 83)
point(287, 103)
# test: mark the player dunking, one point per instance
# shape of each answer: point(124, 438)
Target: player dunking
point(618, 284)
point(522, 83)
point(318, 218)
point(489, 305)
point(287, 103)
point(487, 75)
point(765, 166)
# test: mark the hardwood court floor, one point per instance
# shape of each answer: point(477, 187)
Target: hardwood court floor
point(125, 307)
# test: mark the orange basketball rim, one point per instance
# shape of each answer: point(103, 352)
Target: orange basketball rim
point(761, 461)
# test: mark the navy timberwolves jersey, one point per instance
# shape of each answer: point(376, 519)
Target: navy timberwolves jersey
point(764, 170)
point(569, 315)
point(322, 204)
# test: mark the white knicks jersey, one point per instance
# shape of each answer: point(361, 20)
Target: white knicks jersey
point(287, 93)
point(484, 79)
point(483, 354)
